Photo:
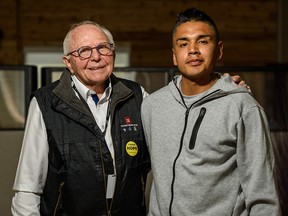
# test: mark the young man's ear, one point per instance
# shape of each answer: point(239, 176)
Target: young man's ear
point(174, 58)
point(220, 50)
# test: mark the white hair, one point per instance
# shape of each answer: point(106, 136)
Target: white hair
point(67, 38)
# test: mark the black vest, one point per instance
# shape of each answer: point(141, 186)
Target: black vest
point(79, 159)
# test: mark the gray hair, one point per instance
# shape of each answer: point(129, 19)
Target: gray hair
point(67, 38)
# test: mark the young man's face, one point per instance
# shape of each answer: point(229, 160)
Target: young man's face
point(195, 50)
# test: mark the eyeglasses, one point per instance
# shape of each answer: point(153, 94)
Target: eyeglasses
point(85, 52)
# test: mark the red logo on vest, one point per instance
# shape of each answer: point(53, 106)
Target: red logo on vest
point(128, 120)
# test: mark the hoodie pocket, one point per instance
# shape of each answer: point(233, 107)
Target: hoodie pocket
point(196, 128)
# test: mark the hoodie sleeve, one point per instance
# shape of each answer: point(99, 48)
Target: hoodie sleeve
point(254, 160)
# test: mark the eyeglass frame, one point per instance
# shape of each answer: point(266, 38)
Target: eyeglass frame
point(111, 47)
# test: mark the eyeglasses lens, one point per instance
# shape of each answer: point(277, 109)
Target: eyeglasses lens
point(103, 49)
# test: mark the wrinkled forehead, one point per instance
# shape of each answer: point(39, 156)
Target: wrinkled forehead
point(87, 35)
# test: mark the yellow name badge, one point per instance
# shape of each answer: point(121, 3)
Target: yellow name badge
point(131, 148)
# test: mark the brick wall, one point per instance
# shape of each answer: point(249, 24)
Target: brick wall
point(247, 27)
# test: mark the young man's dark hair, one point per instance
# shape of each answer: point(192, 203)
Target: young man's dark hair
point(193, 14)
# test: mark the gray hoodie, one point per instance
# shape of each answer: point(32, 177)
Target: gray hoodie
point(210, 155)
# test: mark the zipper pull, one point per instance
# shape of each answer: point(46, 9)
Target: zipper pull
point(59, 197)
point(187, 112)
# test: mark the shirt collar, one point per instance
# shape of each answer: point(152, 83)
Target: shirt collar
point(86, 92)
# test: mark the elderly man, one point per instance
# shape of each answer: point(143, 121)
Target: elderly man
point(83, 150)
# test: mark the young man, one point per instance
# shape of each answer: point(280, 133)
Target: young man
point(208, 139)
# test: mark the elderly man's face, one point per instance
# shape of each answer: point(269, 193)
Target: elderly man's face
point(95, 70)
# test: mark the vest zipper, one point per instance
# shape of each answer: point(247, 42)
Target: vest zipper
point(196, 128)
point(108, 208)
point(59, 197)
point(143, 189)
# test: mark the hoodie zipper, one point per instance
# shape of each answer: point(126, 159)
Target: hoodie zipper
point(174, 163)
point(192, 140)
